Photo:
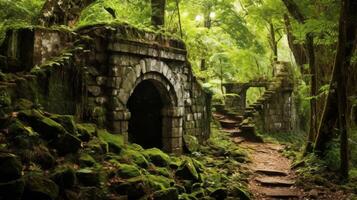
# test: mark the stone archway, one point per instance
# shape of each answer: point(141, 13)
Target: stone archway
point(146, 121)
point(155, 119)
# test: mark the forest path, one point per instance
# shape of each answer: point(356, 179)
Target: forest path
point(271, 175)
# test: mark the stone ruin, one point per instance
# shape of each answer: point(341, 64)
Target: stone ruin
point(274, 111)
point(136, 83)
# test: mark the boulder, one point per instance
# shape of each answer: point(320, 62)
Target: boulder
point(166, 194)
point(187, 171)
point(21, 135)
point(46, 127)
point(23, 104)
point(86, 160)
point(219, 193)
point(40, 188)
point(88, 177)
point(115, 141)
point(128, 171)
point(135, 157)
point(64, 177)
point(10, 167)
point(86, 131)
point(157, 157)
point(67, 121)
point(191, 143)
point(68, 143)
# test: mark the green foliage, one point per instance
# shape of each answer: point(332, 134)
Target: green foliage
point(18, 13)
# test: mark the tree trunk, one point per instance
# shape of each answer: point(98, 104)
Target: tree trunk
point(309, 45)
point(65, 12)
point(207, 24)
point(297, 49)
point(273, 42)
point(158, 13)
point(346, 46)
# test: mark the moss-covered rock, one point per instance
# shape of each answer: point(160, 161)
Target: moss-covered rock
point(162, 171)
point(86, 131)
point(68, 143)
point(43, 157)
point(238, 193)
point(98, 146)
point(46, 127)
point(115, 142)
point(23, 104)
point(64, 177)
point(67, 121)
point(219, 193)
point(157, 157)
point(86, 160)
point(139, 186)
point(128, 171)
point(187, 197)
point(10, 167)
point(21, 135)
point(88, 177)
point(5, 99)
point(191, 143)
point(12, 190)
point(187, 171)
point(166, 194)
point(40, 187)
point(135, 157)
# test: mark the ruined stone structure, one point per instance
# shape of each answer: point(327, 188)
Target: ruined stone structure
point(133, 82)
point(274, 111)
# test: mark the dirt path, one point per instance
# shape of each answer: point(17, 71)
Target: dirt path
point(272, 177)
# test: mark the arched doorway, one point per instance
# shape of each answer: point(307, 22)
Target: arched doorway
point(146, 122)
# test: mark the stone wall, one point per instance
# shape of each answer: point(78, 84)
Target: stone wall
point(121, 59)
point(274, 111)
point(112, 62)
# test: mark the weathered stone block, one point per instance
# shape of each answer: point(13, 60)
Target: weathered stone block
point(94, 90)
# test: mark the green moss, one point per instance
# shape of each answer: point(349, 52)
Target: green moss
point(23, 104)
point(135, 157)
point(128, 171)
point(67, 121)
point(65, 177)
point(115, 142)
point(98, 146)
point(38, 184)
point(88, 177)
point(159, 182)
point(191, 143)
point(86, 160)
point(46, 127)
point(157, 157)
point(187, 171)
point(86, 131)
point(5, 99)
point(166, 194)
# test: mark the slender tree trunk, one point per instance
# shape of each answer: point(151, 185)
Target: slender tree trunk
point(273, 42)
point(297, 49)
point(158, 12)
point(309, 45)
point(207, 24)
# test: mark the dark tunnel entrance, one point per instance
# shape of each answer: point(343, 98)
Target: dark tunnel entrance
point(145, 124)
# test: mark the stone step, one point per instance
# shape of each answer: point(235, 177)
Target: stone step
point(281, 193)
point(275, 181)
point(227, 123)
point(271, 172)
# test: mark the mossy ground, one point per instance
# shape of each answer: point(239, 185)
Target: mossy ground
point(101, 166)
